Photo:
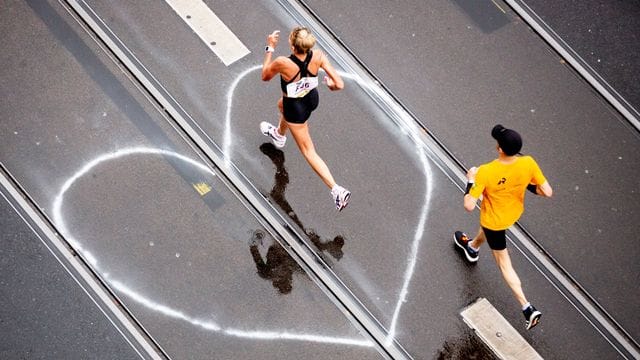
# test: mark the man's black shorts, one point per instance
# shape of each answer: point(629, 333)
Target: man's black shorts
point(497, 239)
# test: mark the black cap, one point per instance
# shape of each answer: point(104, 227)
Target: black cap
point(509, 140)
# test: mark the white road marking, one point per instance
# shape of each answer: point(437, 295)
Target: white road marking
point(413, 256)
point(59, 220)
point(215, 34)
point(497, 333)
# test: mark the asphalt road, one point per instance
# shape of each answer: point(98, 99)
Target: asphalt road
point(197, 267)
point(474, 74)
point(37, 296)
point(605, 34)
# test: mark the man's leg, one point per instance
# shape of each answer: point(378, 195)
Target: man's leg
point(478, 240)
point(509, 274)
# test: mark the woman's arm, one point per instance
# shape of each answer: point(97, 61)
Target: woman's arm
point(333, 79)
point(271, 68)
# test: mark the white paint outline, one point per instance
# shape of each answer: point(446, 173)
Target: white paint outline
point(127, 61)
point(150, 304)
point(226, 141)
point(402, 297)
point(211, 326)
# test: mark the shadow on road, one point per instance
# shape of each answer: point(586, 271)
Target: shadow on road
point(278, 265)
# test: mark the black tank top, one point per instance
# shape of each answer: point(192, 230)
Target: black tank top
point(302, 66)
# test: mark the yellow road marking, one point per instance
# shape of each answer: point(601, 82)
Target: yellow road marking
point(202, 188)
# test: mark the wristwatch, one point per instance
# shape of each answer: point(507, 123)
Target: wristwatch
point(269, 49)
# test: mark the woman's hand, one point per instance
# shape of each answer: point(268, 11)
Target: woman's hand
point(329, 81)
point(272, 39)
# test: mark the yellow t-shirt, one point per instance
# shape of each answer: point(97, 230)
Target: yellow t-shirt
point(502, 187)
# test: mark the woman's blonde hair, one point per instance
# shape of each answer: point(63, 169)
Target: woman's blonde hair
point(301, 39)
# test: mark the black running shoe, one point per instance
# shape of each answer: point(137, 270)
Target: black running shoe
point(532, 316)
point(462, 241)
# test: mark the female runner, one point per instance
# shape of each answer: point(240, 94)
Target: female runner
point(299, 81)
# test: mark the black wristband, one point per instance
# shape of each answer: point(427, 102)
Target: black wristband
point(533, 188)
point(469, 186)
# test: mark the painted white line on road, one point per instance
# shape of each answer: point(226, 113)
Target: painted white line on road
point(215, 34)
point(496, 332)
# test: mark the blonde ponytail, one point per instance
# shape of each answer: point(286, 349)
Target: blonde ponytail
point(302, 40)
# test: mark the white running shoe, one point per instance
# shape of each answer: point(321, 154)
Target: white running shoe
point(341, 197)
point(272, 132)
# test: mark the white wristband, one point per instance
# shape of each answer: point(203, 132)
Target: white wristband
point(269, 49)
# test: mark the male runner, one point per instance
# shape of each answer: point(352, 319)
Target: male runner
point(502, 184)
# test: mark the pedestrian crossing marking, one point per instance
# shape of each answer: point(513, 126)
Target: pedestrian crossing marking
point(215, 34)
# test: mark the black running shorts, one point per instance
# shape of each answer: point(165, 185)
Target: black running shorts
point(298, 110)
point(497, 239)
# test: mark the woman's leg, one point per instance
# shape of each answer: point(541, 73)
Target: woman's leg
point(282, 124)
point(300, 133)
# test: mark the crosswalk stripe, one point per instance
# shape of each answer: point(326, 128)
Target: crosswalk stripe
point(215, 34)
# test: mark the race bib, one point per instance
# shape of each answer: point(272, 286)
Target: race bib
point(302, 87)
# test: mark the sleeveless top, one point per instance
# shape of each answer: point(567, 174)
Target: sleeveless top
point(302, 70)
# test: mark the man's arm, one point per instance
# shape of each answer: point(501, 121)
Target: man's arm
point(540, 184)
point(469, 200)
point(544, 189)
